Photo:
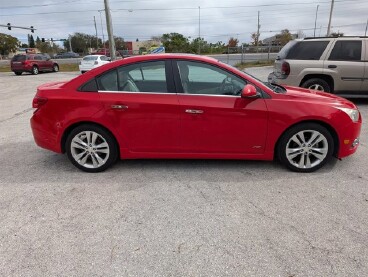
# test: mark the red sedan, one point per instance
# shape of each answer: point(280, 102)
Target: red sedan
point(190, 107)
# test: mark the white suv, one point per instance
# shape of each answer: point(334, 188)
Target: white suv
point(336, 65)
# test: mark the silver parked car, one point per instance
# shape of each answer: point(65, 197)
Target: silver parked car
point(336, 65)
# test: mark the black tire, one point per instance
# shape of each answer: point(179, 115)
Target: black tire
point(55, 68)
point(35, 70)
point(17, 73)
point(309, 150)
point(87, 162)
point(315, 83)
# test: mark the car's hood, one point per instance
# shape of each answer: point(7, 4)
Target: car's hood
point(310, 95)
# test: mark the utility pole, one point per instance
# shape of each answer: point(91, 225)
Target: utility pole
point(329, 21)
point(94, 19)
point(199, 30)
point(103, 35)
point(315, 22)
point(70, 43)
point(366, 27)
point(110, 31)
point(258, 26)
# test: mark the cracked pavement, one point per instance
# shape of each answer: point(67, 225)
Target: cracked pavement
point(173, 217)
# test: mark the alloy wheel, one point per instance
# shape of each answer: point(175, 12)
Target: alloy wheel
point(89, 149)
point(307, 149)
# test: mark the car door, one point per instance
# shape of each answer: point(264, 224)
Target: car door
point(147, 116)
point(38, 59)
point(48, 64)
point(345, 65)
point(214, 117)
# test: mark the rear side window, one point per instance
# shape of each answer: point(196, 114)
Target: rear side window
point(91, 86)
point(346, 51)
point(307, 50)
point(19, 58)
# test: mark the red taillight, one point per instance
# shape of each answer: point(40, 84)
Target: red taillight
point(285, 68)
point(38, 102)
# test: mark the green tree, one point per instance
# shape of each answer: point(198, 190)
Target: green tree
point(8, 44)
point(24, 45)
point(81, 42)
point(283, 37)
point(45, 47)
point(119, 43)
point(175, 43)
point(31, 41)
point(194, 46)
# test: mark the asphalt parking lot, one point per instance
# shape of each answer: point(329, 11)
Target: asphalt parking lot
point(173, 217)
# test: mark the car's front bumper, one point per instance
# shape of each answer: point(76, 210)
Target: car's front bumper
point(349, 139)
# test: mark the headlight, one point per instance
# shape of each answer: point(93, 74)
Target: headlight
point(352, 113)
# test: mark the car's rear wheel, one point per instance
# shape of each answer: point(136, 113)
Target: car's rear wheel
point(91, 148)
point(17, 73)
point(55, 68)
point(317, 84)
point(34, 70)
point(305, 147)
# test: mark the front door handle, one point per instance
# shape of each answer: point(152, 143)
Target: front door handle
point(119, 107)
point(194, 111)
point(332, 66)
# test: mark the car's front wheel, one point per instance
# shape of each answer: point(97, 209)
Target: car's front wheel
point(34, 70)
point(55, 68)
point(305, 147)
point(317, 84)
point(91, 148)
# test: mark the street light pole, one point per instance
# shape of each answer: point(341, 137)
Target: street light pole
point(103, 34)
point(110, 31)
point(315, 22)
point(329, 21)
point(199, 28)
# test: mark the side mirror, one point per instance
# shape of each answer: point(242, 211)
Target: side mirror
point(249, 91)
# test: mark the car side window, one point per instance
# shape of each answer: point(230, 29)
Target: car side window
point(201, 78)
point(103, 58)
point(38, 58)
point(346, 51)
point(143, 77)
point(307, 50)
point(108, 81)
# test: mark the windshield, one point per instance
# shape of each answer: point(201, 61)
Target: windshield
point(90, 58)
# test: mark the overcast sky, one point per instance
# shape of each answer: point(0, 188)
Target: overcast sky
point(219, 20)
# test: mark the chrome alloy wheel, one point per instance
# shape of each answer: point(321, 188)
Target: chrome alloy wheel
point(316, 87)
point(89, 149)
point(307, 149)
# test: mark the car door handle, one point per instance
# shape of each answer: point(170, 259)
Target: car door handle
point(119, 107)
point(194, 111)
point(332, 66)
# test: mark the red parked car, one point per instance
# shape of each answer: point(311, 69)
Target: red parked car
point(189, 107)
point(32, 63)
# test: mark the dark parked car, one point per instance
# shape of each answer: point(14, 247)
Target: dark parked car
point(66, 55)
point(32, 63)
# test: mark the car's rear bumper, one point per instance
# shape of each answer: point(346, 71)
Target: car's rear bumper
point(291, 80)
point(43, 137)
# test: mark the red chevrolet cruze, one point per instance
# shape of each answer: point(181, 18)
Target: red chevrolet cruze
point(190, 107)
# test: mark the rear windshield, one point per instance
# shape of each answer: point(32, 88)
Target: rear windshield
point(90, 58)
point(19, 58)
point(306, 50)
